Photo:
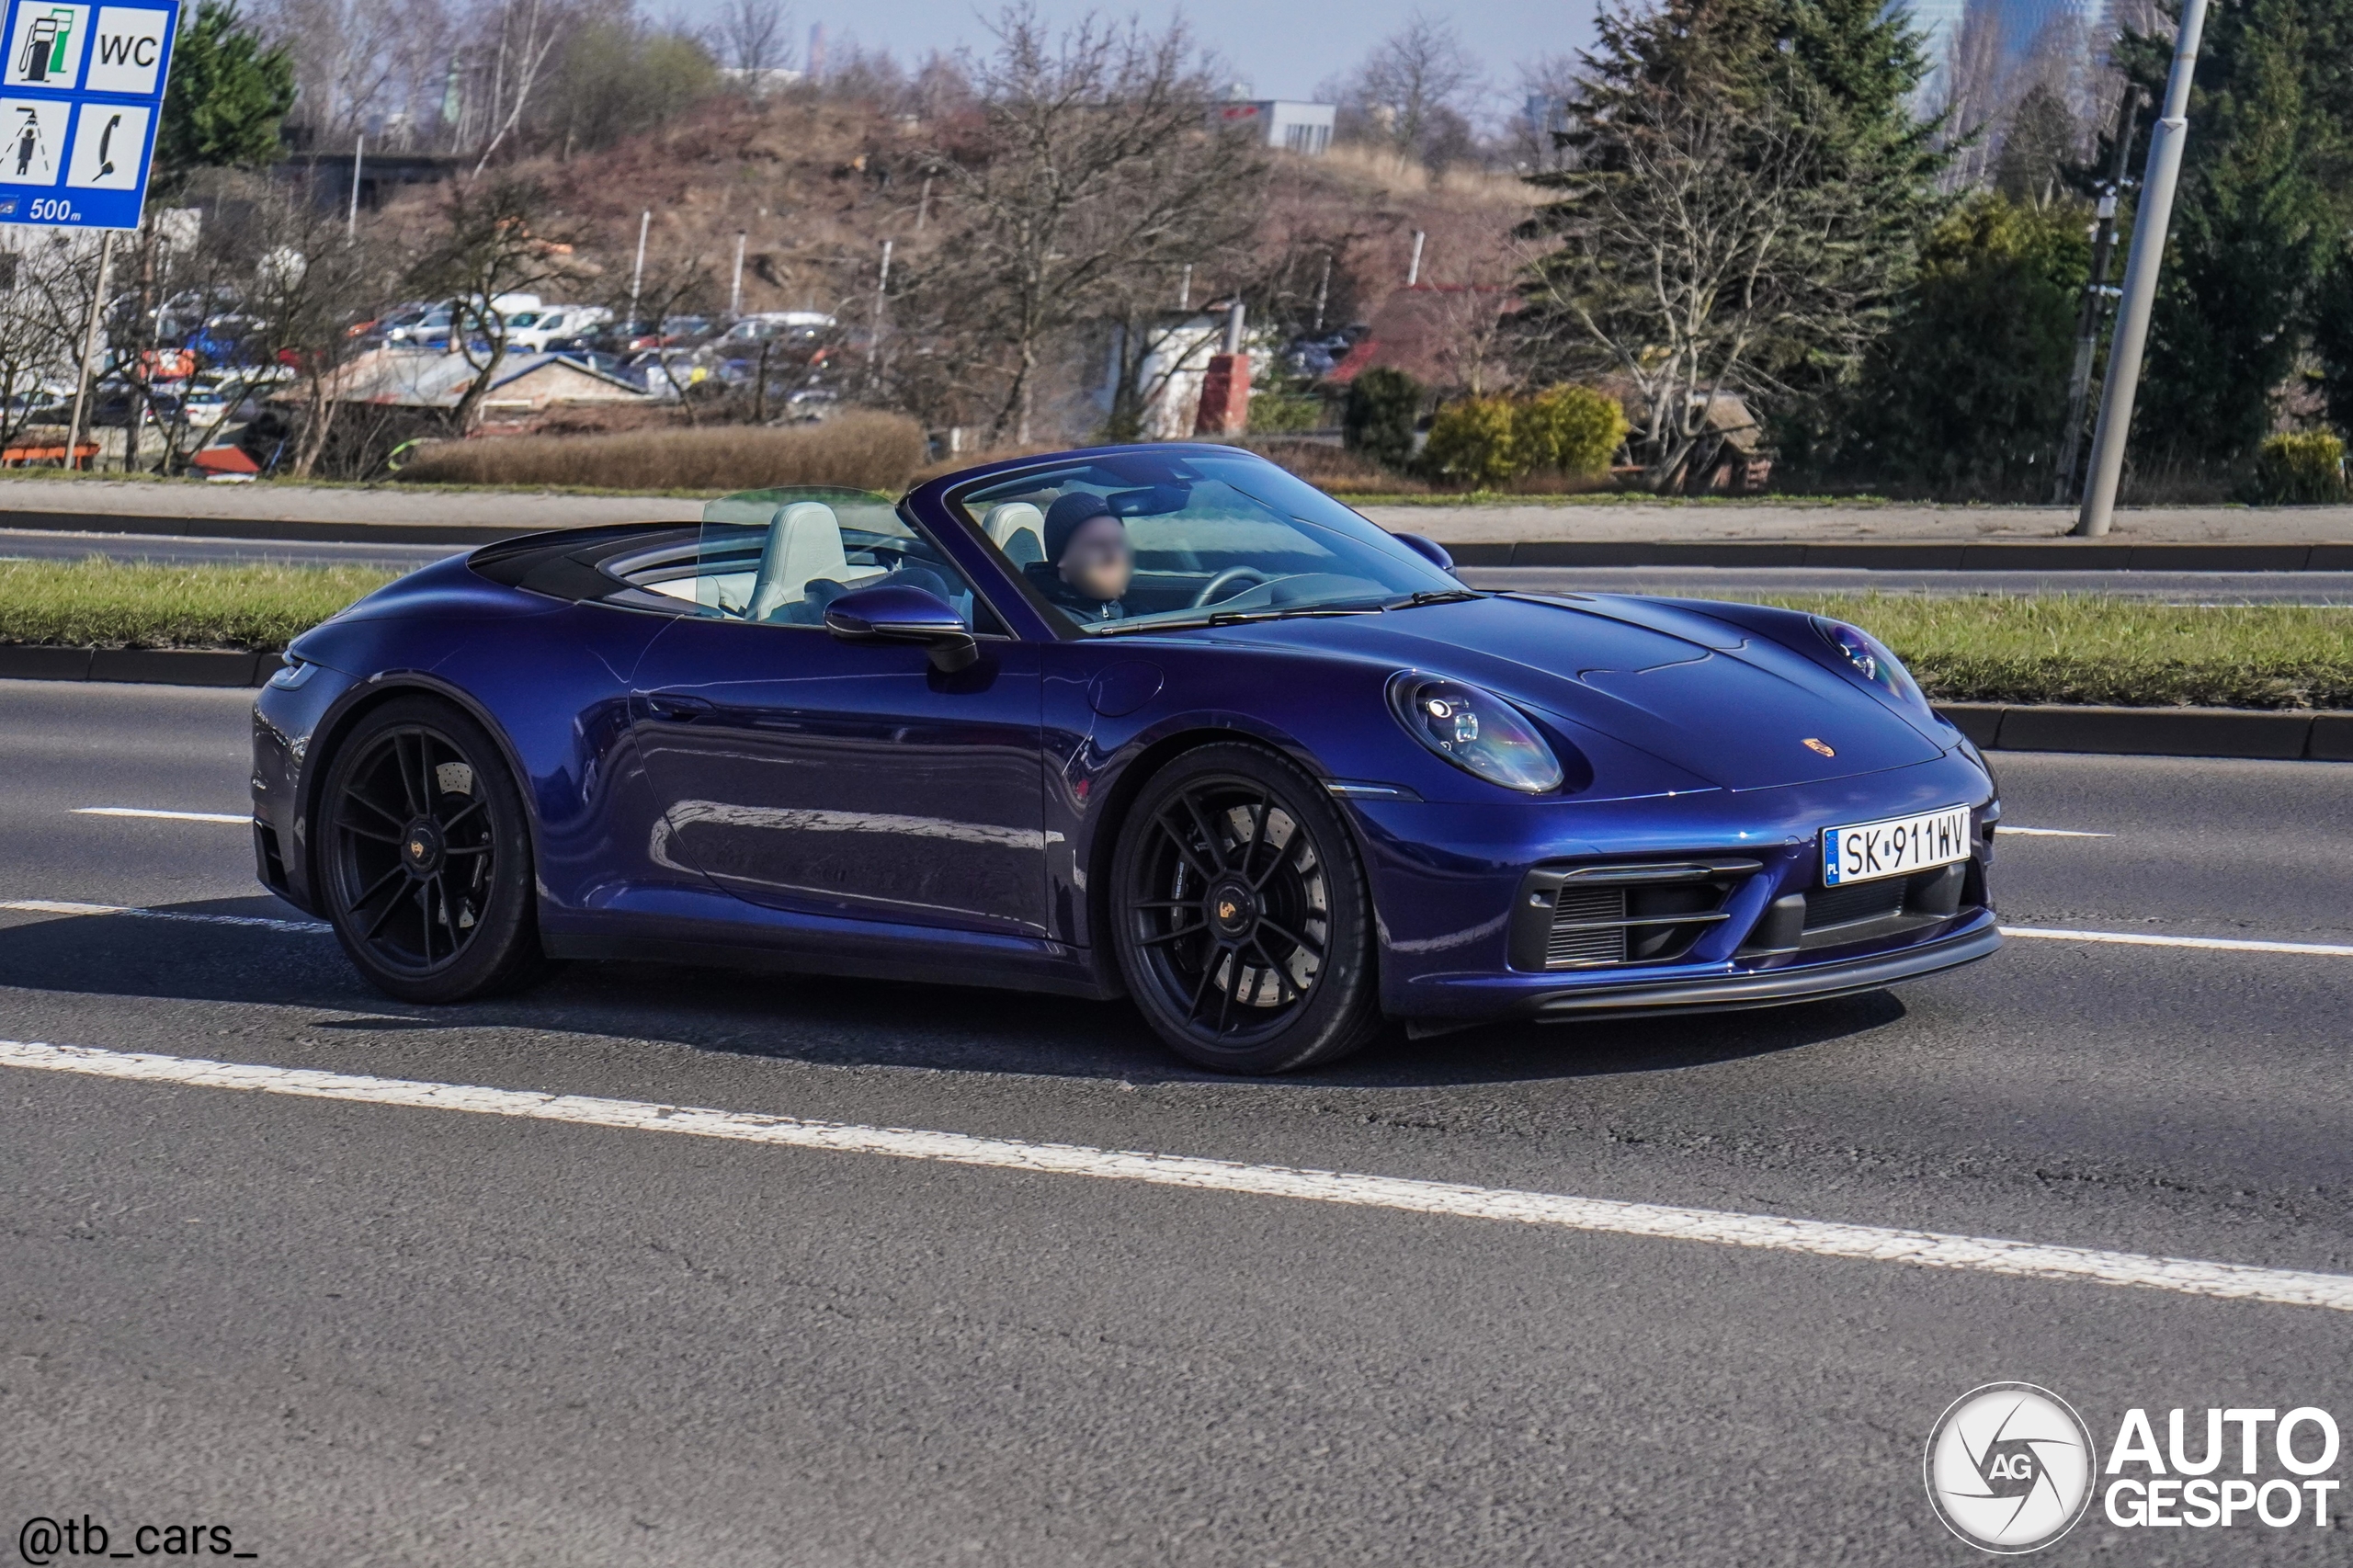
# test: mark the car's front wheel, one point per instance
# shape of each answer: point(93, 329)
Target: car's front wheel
point(424, 856)
point(1241, 916)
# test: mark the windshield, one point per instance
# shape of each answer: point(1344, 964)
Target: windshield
point(1128, 541)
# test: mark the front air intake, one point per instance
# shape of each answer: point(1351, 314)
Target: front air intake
point(1603, 916)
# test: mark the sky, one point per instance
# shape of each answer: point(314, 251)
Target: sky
point(1285, 49)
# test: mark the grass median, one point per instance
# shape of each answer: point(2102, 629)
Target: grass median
point(2070, 648)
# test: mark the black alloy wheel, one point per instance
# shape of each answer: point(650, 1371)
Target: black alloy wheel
point(1241, 916)
point(425, 862)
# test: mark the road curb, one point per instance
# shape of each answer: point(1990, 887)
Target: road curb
point(2156, 732)
point(148, 667)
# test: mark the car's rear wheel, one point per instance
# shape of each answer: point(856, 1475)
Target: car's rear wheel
point(425, 856)
point(1241, 916)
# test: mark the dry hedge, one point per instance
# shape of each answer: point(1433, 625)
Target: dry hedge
point(863, 450)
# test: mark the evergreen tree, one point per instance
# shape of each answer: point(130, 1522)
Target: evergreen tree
point(228, 92)
point(1966, 395)
point(1746, 198)
point(2258, 225)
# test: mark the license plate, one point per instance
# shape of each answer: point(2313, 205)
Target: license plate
point(1896, 847)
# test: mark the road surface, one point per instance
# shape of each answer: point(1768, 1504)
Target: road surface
point(366, 1334)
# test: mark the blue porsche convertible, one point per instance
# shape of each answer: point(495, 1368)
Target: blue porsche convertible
point(1155, 721)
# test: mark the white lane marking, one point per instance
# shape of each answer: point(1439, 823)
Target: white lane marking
point(2149, 939)
point(1772, 1233)
point(2005, 830)
point(66, 906)
point(166, 816)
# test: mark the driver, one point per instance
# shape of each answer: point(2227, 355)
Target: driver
point(1091, 560)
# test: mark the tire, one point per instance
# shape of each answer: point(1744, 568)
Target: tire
point(425, 856)
point(1241, 915)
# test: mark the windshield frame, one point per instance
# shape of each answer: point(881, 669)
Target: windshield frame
point(1267, 485)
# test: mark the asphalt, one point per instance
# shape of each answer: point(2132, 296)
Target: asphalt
point(367, 1334)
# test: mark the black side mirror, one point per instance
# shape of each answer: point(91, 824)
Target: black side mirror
point(1428, 547)
point(904, 614)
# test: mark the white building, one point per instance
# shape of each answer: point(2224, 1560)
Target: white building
point(1302, 128)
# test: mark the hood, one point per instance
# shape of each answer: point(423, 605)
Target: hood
point(1727, 704)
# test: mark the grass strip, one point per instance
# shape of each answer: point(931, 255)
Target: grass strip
point(119, 604)
point(2126, 653)
point(1982, 648)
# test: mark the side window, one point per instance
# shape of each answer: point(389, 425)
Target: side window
point(779, 557)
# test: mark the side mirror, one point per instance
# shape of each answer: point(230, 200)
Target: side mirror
point(1430, 549)
point(904, 614)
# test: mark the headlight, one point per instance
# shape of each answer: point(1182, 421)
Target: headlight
point(292, 675)
point(1871, 660)
point(1476, 730)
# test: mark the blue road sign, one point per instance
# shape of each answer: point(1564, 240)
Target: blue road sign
point(80, 94)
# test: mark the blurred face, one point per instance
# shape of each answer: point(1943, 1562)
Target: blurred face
point(1097, 561)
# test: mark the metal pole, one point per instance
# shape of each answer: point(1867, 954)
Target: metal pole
point(89, 352)
point(637, 278)
point(1233, 329)
point(351, 218)
point(1414, 267)
point(1185, 290)
point(2096, 292)
point(1324, 291)
point(735, 289)
point(2165, 139)
point(881, 298)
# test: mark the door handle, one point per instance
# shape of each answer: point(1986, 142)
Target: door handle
point(677, 707)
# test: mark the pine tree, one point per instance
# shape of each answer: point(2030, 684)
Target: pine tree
point(2258, 223)
point(1744, 197)
point(229, 90)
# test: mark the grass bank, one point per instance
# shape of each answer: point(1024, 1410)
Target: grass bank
point(119, 603)
point(1985, 649)
point(2128, 652)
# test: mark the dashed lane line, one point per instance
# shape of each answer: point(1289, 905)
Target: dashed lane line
point(245, 820)
point(1769, 1232)
point(188, 917)
point(2150, 939)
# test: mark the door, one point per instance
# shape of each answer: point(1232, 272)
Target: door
point(801, 771)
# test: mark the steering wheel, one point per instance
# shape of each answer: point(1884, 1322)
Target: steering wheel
point(1210, 591)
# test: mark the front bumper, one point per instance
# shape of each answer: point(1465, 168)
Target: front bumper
point(1770, 987)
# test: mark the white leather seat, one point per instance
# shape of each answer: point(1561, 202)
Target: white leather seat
point(1018, 529)
point(804, 542)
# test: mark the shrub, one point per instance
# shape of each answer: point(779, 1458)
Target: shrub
point(1276, 412)
point(863, 450)
point(1571, 428)
point(1471, 443)
point(1383, 406)
point(2301, 469)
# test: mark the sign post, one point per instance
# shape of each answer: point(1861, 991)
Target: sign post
point(81, 98)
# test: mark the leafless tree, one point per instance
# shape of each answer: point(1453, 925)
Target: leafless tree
point(491, 242)
point(518, 37)
point(752, 39)
point(1970, 95)
point(1093, 179)
point(1411, 81)
point(312, 286)
point(1697, 264)
point(44, 290)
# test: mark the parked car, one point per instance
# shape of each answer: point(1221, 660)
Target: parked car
point(1162, 723)
point(537, 331)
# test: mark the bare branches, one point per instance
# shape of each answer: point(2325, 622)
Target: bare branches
point(1095, 178)
point(491, 245)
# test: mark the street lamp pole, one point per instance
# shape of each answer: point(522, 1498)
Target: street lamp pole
point(2096, 293)
point(2158, 182)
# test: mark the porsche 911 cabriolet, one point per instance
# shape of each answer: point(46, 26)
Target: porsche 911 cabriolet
point(1163, 722)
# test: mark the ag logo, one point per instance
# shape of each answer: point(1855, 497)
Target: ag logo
point(2009, 1468)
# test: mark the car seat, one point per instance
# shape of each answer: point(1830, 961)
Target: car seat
point(1018, 529)
point(804, 541)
